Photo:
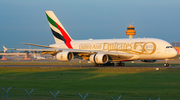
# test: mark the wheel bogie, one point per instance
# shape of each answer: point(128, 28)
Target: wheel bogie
point(120, 64)
point(110, 64)
point(106, 64)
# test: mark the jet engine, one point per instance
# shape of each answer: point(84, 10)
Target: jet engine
point(99, 58)
point(148, 60)
point(64, 56)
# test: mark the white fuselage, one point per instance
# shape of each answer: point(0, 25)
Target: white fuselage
point(141, 48)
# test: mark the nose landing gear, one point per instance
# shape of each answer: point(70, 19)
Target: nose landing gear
point(166, 64)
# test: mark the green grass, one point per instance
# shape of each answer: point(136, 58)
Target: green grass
point(101, 83)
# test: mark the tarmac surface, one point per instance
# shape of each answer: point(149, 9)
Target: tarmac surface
point(136, 64)
point(88, 66)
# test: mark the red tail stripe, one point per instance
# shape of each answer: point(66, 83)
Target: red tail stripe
point(68, 44)
point(65, 35)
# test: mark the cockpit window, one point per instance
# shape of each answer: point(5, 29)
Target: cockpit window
point(169, 47)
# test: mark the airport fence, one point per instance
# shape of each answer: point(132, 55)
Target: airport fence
point(51, 96)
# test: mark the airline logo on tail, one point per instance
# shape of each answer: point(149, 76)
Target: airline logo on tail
point(59, 32)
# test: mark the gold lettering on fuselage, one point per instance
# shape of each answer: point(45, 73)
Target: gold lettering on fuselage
point(90, 46)
point(133, 47)
point(117, 46)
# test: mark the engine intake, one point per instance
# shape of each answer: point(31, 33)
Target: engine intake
point(65, 56)
point(99, 58)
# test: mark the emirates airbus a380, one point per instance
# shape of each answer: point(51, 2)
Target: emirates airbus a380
point(103, 52)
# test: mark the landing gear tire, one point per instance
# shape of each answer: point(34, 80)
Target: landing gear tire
point(123, 64)
point(166, 64)
point(120, 64)
point(107, 64)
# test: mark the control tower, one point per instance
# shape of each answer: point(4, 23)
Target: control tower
point(130, 31)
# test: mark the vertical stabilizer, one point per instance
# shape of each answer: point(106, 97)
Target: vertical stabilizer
point(5, 49)
point(59, 32)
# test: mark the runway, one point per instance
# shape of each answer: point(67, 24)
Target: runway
point(75, 63)
point(91, 66)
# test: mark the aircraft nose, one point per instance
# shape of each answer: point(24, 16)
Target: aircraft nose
point(174, 53)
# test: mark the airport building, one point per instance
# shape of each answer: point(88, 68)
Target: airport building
point(131, 31)
point(176, 45)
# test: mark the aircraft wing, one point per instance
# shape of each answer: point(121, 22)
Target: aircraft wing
point(37, 45)
point(54, 51)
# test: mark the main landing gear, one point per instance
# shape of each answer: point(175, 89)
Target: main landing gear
point(120, 64)
point(166, 64)
point(107, 64)
point(110, 64)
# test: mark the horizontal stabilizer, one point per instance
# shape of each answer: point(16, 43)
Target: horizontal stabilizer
point(5, 49)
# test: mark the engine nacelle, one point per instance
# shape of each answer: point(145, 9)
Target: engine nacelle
point(148, 60)
point(64, 56)
point(99, 58)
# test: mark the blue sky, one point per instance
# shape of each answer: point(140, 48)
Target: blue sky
point(23, 20)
